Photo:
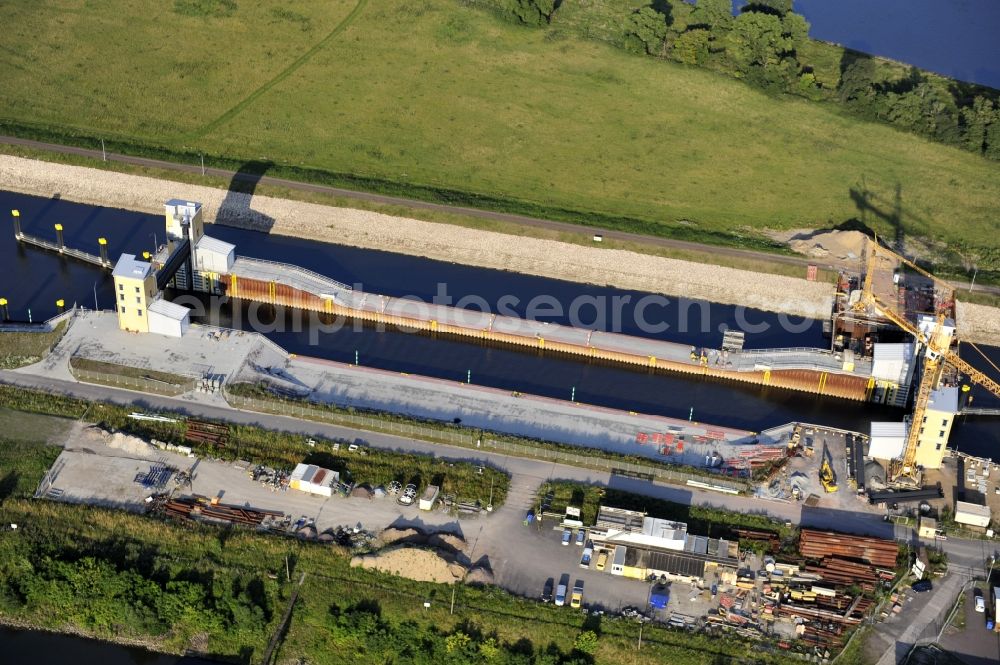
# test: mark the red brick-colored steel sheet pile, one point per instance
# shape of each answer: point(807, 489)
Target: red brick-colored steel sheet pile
point(820, 544)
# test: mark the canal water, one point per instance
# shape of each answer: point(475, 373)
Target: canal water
point(36, 279)
point(957, 38)
point(19, 647)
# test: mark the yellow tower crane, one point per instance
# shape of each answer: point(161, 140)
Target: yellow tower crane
point(937, 354)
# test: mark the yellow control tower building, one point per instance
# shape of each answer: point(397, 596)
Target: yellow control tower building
point(135, 289)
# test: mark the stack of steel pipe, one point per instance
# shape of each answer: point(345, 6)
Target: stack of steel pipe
point(820, 544)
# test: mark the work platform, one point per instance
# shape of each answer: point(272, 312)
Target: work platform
point(817, 371)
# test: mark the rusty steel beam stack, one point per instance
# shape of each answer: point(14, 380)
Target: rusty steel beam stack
point(843, 572)
point(195, 508)
point(767, 537)
point(818, 545)
point(199, 431)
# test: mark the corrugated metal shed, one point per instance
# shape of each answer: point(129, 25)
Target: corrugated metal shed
point(888, 439)
point(167, 318)
point(215, 255)
point(972, 514)
point(889, 360)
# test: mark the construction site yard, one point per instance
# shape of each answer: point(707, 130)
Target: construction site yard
point(203, 351)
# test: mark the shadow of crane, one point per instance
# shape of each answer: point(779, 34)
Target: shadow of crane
point(888, 211)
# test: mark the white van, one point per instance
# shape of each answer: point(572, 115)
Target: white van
point(561, 595)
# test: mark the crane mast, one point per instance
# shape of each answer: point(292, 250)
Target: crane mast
point(936, 345)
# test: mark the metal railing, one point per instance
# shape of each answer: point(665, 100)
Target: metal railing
point(288, 268)
point(132, 382)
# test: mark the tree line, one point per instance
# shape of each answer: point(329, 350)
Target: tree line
point(763, 45)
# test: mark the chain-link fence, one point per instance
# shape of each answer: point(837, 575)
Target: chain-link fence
point(132, 382)
point(471, 438)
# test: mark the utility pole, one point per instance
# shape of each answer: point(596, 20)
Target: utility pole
point(453, 587)
point(96, 308)
point(203, 166)
point(288, 572)
point(104, 153)
point(973, 285)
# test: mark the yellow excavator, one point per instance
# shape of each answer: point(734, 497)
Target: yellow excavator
point(826, 475)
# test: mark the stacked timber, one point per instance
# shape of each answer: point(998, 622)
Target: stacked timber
point(817, 545)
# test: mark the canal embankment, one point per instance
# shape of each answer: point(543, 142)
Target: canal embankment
point(371, 230)
point(486, 249)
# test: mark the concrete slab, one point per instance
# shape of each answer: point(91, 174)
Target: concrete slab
point(203, 350)
point(512, 413)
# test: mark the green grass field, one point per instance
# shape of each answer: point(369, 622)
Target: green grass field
point(446, 96)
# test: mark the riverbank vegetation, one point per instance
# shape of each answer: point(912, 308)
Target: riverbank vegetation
point(767, 45)
point(350, 93)
point(222, 592)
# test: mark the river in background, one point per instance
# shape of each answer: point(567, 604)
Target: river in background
point(957, 38)
point(36, 279)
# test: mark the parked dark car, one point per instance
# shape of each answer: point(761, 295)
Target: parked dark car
point(922, 586)
point(547, 591)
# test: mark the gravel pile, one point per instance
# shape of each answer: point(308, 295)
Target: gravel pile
point(978, 323)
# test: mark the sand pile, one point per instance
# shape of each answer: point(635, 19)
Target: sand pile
point(392, 535)
point(448, 543)
point(479, 575)
point(413, 563)
point(130, 445)
point(839, 245)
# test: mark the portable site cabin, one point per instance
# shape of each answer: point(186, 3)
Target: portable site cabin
point(313, 479)
point(429, 497)
point(972, 514)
